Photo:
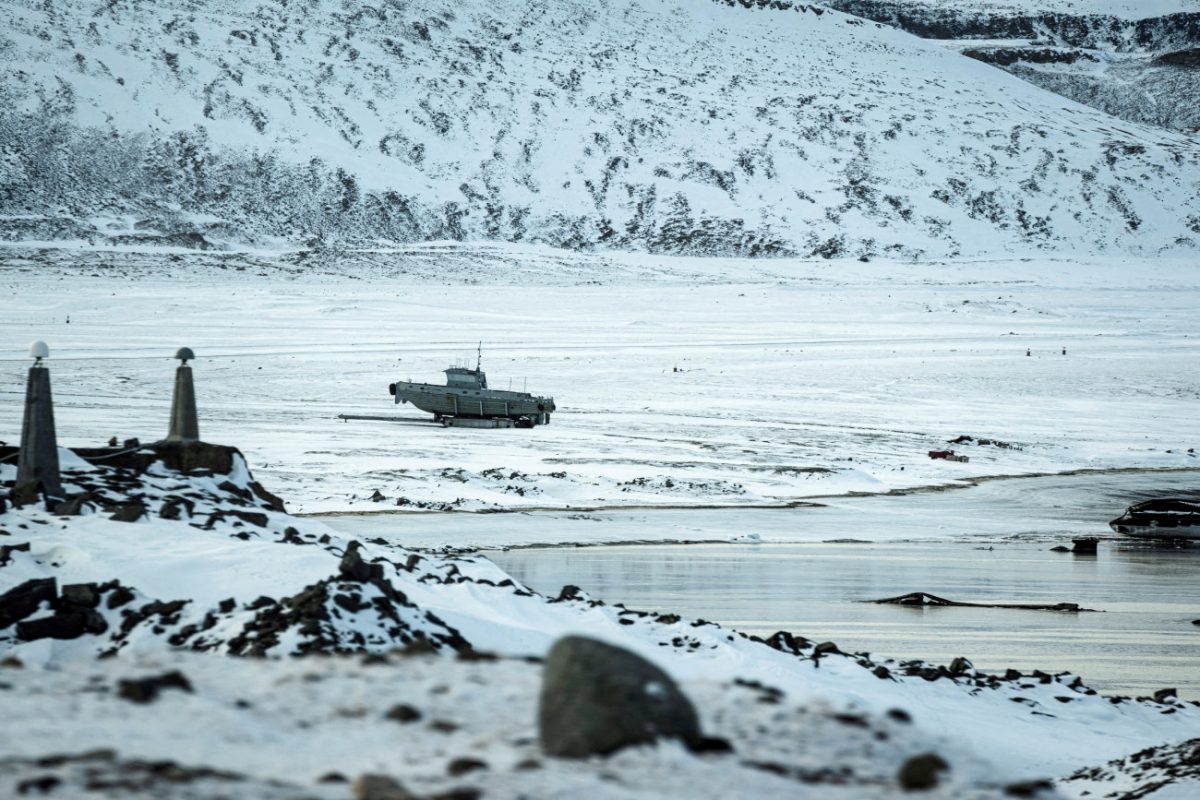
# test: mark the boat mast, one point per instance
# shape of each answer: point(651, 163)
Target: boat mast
point(479, 356)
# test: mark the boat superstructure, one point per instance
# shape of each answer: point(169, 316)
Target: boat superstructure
point(466, 395)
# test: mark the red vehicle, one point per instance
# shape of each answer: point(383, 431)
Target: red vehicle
point(947, 455)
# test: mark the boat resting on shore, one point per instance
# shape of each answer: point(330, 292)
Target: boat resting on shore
point(466, 395)
point(1164, 518)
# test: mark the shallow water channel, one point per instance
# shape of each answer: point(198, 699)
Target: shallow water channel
point(1143, 640)
point(989, 543)
point(986, 543)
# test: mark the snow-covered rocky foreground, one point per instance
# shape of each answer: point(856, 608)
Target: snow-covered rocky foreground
point(426, 669)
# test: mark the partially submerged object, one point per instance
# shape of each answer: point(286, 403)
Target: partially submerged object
point(1164, 518)
point(926, 599)
point(466, 396)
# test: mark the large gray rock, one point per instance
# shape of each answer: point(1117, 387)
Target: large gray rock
point(597, 698)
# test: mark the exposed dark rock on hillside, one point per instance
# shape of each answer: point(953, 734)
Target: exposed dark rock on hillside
point(1134, 69)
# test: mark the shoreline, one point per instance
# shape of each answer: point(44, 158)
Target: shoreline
point(961, 483)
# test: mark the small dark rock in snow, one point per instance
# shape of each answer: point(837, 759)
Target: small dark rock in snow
point(171, 510)
point(825, 647)
point(899, 715)
point(458, 793)
point(597, 698)
point(921, 772)
point(354, 568)
point(25, 494)
point(86, 595)
point(402, 712)
point(43, 784)
point(145, 690)
point(1028, 788)
point(711, 744)
point(119, 597)
point(64, 625)
point(960, 665)
point(21, 601)
point(1162, 695)
point(377, 497)
point(333, 777)
point(1060, 549)
point(379, 787)
point(73, 505)
point(128, 512)
point(6, 551)
point(461, 766)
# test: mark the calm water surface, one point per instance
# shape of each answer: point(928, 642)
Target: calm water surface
point(1144, 640)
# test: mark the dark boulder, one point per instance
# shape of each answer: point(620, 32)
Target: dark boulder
point(119, 596)
point(403, 713)
point(145, 690)
point(920, 773)
point(597, 699)
point(461, 766)
point(171, 509)
point(19, 602)
point(379, 787)
point(84, 595)
point(128, 512)
point(64, 625)
point(74, 505)
point(354, 568)
point(24, 494)
point(6, 551)
point(1163, 695)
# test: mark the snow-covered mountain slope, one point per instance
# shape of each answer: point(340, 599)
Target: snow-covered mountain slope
point(1134, 60)
point(675, 126)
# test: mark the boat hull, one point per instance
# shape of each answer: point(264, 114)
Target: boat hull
point(448, 401)
point(1190, 533)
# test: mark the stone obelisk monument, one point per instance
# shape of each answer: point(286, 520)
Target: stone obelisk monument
point(37, 464)
point(185, 425)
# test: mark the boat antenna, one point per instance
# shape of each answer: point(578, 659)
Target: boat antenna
point(479, 357)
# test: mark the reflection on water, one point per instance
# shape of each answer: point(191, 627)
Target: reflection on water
point(1143, 641)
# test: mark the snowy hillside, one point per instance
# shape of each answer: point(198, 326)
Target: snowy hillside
point(1134, 60)
point(695, 127)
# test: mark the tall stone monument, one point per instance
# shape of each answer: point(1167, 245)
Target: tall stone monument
point(37, 463)
point(185, 425)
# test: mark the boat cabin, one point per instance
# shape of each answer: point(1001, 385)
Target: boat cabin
point(463, 378)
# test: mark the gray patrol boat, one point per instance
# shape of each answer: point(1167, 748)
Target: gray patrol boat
point(466, 396)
